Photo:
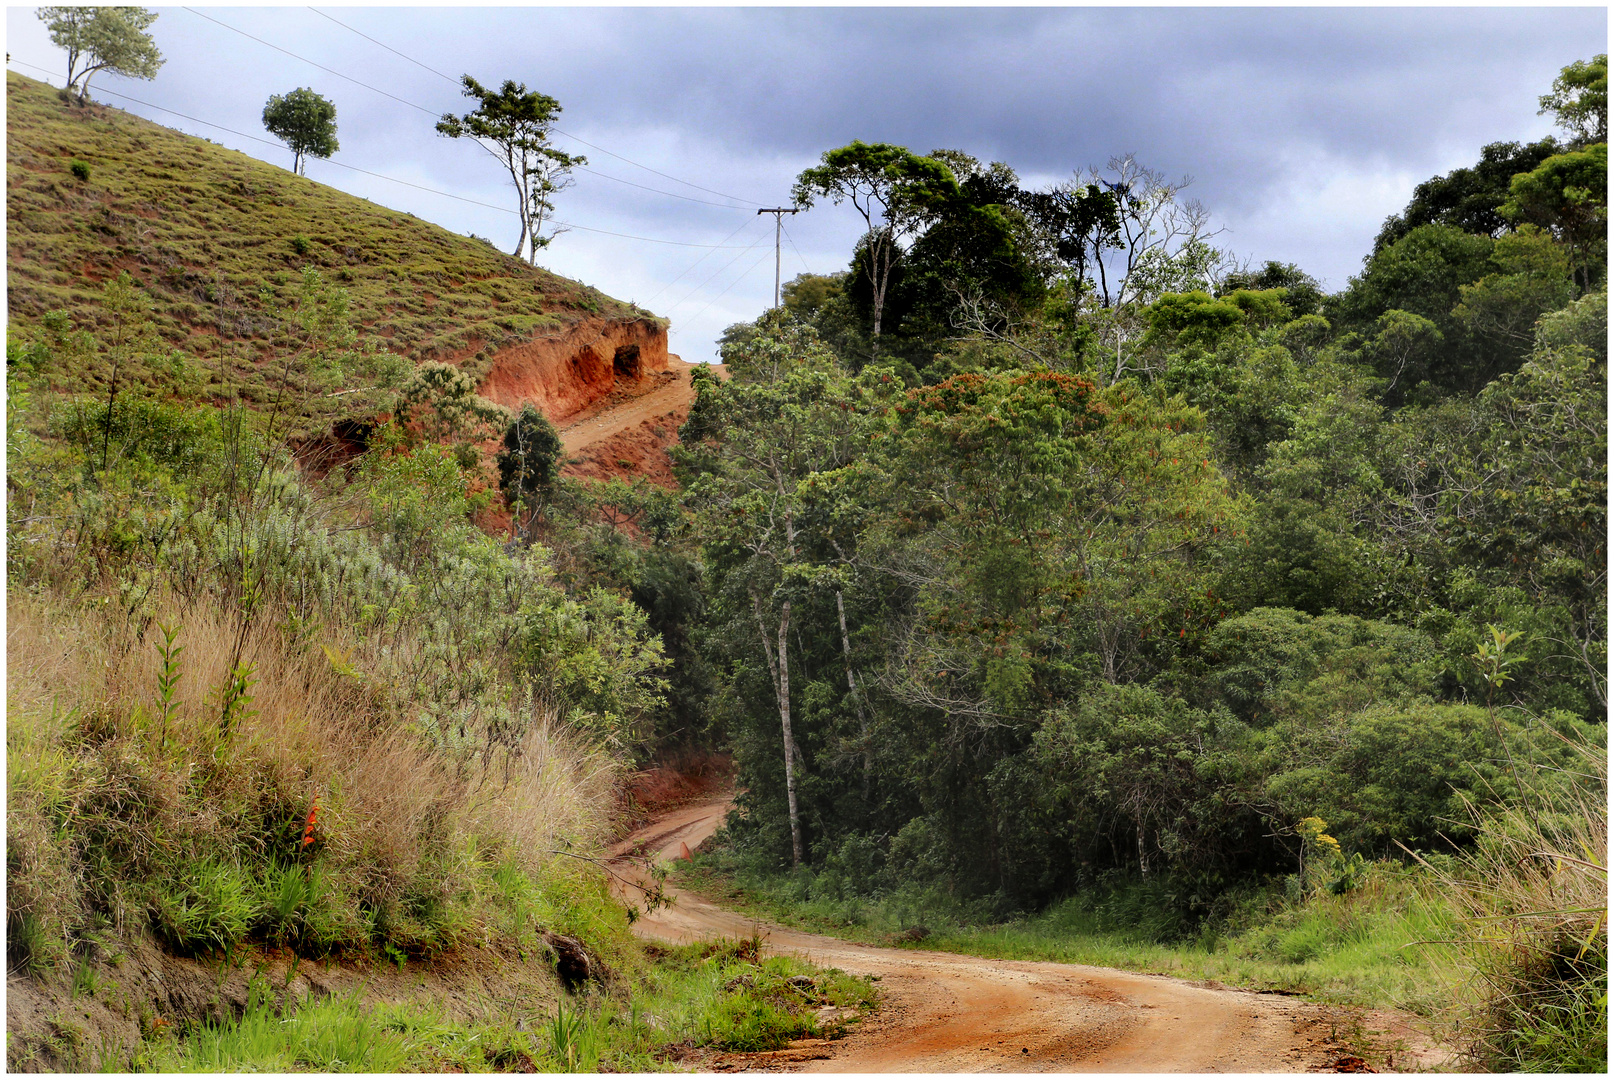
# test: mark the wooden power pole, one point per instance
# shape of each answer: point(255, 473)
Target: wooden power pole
point(778, 213)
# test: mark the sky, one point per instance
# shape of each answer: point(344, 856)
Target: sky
point(1302, 128)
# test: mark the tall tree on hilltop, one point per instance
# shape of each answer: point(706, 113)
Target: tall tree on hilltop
point(305, 122)
point(1579, 100)
point(1126, 236)
point(103, 38)
point(514, 124)
point(894, 190)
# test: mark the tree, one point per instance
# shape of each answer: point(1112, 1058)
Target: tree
point(747, 458)
point(1467, 199)
point(1126, 236)
point(1568, 195)
point(303, 121)
point(444, 401)
point(514, 125)
point(894, 190)
point(103, 38)
point(1423, 273)
point(1579, 100)
point(1303, 295)
point(529, 464)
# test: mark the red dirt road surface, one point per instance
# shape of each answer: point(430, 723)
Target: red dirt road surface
point(943, 1012)
point(627, 433)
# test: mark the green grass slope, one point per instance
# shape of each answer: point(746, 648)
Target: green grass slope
point(217, 239)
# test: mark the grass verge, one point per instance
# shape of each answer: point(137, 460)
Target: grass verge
point(1353, 949)
point(713, 998)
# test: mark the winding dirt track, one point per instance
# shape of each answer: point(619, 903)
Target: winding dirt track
point(670, 392)
point(943, 1012)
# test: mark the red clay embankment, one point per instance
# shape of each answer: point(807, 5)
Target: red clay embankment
point(565, 374)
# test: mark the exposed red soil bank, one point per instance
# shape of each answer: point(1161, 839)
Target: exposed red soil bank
point(565, 374)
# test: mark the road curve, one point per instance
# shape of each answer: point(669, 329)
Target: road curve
point(943, 1012)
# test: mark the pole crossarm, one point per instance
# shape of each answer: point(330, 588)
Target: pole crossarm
point(778, 213)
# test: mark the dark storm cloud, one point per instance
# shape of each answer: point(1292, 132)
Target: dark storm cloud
point(1220, 93)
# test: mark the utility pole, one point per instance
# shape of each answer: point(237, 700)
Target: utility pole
point(778, 213)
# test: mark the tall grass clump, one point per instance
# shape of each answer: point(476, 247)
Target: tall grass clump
point(246, 706)
point(1533, 899)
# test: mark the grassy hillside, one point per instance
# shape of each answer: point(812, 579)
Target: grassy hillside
point(218, 240)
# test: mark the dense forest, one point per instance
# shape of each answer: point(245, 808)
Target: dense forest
point(1049, 542)
point(1048, 551)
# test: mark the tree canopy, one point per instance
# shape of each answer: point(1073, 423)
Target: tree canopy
point(305, 122)
point(894, 190)
point(103, 39)
point(514, 125)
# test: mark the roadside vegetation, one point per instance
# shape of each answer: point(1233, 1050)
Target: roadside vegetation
point(1080, 591)
point(1062, 588)
point(693, 1001)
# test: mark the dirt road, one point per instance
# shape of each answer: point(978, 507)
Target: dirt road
point(947, 1013)
point(626, 433)
point(665, 392)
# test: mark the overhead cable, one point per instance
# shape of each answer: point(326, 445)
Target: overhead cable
point(394, 179)
point(427, 67)
point(429, 112)
point(719, 271)
point(697, 262)
point(805, 268)
point(731, 285)
point(389, 48)
point(304, 59)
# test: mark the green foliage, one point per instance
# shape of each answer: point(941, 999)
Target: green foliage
point(1567, 194)
point(529, 465)
point(443, 400)
point(894, 190)
point(103, 38)
point(513, 124)
point(1422, 274)
point(305, 122)
point(1533, 279)
point(79, 169)
point(1302, 293)
point(1579, 100)
point(204, 906)
point(1467, 199)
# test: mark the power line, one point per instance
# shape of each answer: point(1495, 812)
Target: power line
point(658, 191)
point(311, 63)
point(696, 263)
point(658, 172)
point(389, 48)
point(731, 285)
point(427, 67)
point(429, 112)
point(390, 179)
point(805, 268)
point(716, 274)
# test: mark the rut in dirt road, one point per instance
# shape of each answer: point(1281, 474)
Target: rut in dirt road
point(943, 1012)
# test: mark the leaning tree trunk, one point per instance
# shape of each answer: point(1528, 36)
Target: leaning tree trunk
point(779, 668)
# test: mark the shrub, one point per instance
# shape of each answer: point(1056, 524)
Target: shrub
point(80, 169)
point(300, 244)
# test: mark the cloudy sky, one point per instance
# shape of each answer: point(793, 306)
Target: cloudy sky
point(1301, 127)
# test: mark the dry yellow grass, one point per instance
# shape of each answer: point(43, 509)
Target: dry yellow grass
point(393, 811)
